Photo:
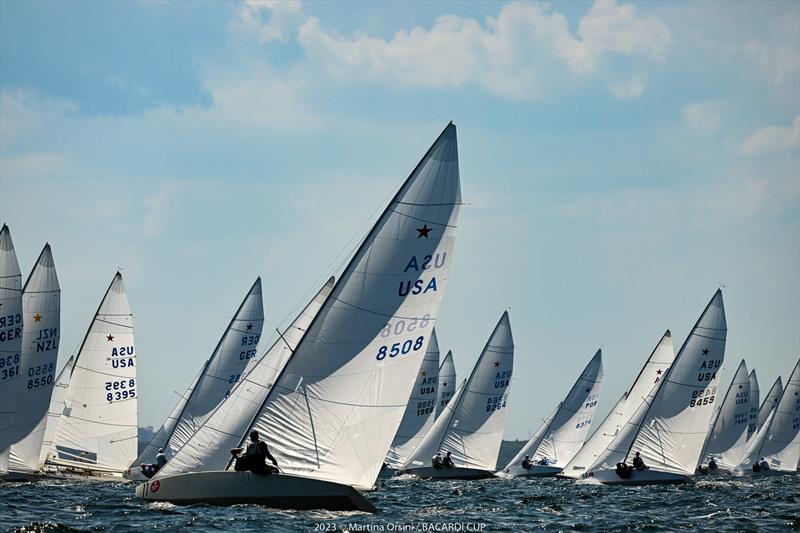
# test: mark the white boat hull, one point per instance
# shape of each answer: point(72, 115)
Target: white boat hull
point(280, 491)
point(448, 473)
point(638, 477)
point(533, 471)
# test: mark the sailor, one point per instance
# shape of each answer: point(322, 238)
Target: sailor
point(436, 461)
point(161, 459)
point(712, 464)
point(763, 464)
point(526, 463)
point(149, 470)
point(448, 461)
point(254, 457)
point(638, 463)
point(544, 461)
point(756, 466)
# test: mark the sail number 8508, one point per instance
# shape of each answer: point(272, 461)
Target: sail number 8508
point(400, 348)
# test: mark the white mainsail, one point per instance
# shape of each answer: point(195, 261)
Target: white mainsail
point(471, 426)
point(779, 443)
point(752, 420)
point(10, 340)
point(770, 402)
point(727, 439)
point(41, 319)
point(209, 448)
point(649, 376)
point(336, 407)
point(565, 432)
point(98, 429)
point(420, 411)
point(669, 428)
point(447, 383)
point(55, 410)
point(220, 373)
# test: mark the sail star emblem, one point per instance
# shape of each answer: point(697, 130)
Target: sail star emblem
point(250, 326)
point(423, 231)
point(706, 351)
point(658, 371)
point(110, 338)
point(496, 364)
point(37, 317)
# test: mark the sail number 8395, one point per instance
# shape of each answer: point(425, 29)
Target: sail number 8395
point(400, 348)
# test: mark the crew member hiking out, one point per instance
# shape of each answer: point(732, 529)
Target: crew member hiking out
point(254, 457)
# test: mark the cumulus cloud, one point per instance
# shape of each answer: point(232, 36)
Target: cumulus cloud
point(271, 20)
point(704, 116)
point(772, 139)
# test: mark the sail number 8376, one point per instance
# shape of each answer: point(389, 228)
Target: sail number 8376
point(400, 348)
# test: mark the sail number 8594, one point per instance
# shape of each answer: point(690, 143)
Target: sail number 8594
point(399, 348)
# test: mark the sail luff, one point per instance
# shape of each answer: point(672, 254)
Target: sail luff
point(11, 342)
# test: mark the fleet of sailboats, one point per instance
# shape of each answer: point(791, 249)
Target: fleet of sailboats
point(354, 387)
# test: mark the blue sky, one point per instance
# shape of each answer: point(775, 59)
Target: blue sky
point(620, 161)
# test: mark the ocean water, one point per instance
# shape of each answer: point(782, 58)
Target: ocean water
point(708, 504)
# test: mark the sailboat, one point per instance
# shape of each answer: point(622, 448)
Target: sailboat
point(10, 341)
point(209, 448)
point(235, 349)
point(752, 420)
point(54, 411)
point(335, 407)
point(97, 431)
point(770, 402)
point(727, 438)
point(560, 437)
point(447, 383)
point(778, 441)
point(649, 376)
point(420, 411)
point(41, 318)
point(670, 426)
point(471, 426)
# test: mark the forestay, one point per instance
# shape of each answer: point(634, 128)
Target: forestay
point(55, 410)
point(669, 428)
point(770, 402)
point(447, 383)
point(420, 411)
point(649, 376)
point(220, 373)
point(209, 448)
point(98, 428)
point(337, 404)
point(752, 421)
point(471, 426)
point(41, 318)
point(566, 431)
point(10, 340)
point(727, 439)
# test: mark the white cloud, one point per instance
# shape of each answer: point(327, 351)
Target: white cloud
point(281, 17)
point(628, 91)
point(776, 63)
point(772, 139)
point(704, 116)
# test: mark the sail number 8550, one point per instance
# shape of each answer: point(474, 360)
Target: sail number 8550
point(400, 348)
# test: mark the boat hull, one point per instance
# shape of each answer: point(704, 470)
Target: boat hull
point(448, 473)
point(280, 491)
point(533, 471)
point(639, 477)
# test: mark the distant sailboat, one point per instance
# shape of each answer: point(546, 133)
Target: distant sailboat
point(649, 376)
point(447, 383)
point(334, 409)
point(778, 440)
point(97, 430)
point(471, 426)
point(752, 421)
point(11, 342)
point(560, 437)
point(727, 437)
point(670, 427)
point(235, 349)
point(770, 402)
point(41, 317)
point(420, 411)
point(55, 410)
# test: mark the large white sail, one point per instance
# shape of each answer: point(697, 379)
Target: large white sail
point(779, 444)
point(755, 398)
point(727, 439)
point(220, 373)
point(770, 402)
point(565, 432)
point(649, 376)
point(10, 340)
point(98, 428)
point(41, 318)
point(55, 410)
point(336, 407)
point(421, 409)
point(209, 448)
point(471, 426)
point(447, 383)
point(669, 428)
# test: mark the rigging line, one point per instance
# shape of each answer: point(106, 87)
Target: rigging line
point(285, 341)
point(320, 399)
point(420, 219)
point(98, 319)
point(332, 297)
point(429, 205)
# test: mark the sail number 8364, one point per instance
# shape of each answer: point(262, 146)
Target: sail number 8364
point(400, 348)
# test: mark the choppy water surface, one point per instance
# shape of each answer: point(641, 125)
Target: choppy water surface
point(722, 504)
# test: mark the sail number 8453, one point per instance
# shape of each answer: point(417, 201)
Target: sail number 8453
point(399, 348)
